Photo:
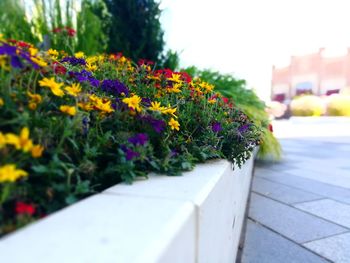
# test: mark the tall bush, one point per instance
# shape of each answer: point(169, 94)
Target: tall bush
point(92, 23)
point(135, 29)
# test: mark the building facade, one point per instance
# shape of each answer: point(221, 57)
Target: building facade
point(312, 74)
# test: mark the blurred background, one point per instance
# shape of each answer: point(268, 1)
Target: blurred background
point(284, 49)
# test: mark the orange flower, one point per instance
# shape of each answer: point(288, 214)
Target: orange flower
point(37, 151)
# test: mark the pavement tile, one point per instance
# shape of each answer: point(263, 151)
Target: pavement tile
point(264, 246)
point(329, 209)
point(282, 193)
point(323, 173)
point(313, 186)
point(335, 248)
point(290, 222)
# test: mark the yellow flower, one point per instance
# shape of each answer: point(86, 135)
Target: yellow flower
point(90, 67)
point(1, 102)
point(169, 111)
point(133, 102)
point(9, 173)
point(32, 105)
point(33, 51)
point(79, 54)
point(206, 86)
point(211, 101)
point(104, 105)
point(4, 63)
point(123, 59)
point(174, 124)
point(153, 77)
point(53, 53)
point(39, 61)
point(21, 142)
point(155, 106)
point(73, 90)
point(85, 106)
point(2, 37)
point(92, 59)
point(176, 88)
point(69, 110)
point(35, 97)
point(175, 78)
point(53, 85)
point(2, 140)
point(37, 151)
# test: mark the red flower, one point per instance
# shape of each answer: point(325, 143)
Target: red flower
point(23, 44)
point(227, 102)
point(71, 32)
point(57, 30)
point(270, 127)
point(13, 41)
point(186, 77)
point(23, 208)
point(145, 62)
point(59, 69)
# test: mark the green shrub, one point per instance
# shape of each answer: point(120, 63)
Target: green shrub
point(135, 29)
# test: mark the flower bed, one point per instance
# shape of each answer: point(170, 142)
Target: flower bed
point(72, 125)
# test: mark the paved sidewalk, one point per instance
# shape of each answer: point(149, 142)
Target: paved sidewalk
point(300, 208)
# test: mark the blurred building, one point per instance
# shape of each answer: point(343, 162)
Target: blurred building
point(313, 74)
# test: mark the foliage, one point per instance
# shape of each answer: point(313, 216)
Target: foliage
point(92, 21)
point(307, 105)
point(14, 19)
point(171, 60)
point(338, 105)
point(135, 29)
point(248, 102)
point(74, 125)
point(51, 23)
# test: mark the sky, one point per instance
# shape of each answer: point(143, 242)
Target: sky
point(246, 37)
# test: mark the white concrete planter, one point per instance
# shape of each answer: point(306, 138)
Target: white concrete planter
point(196, 217)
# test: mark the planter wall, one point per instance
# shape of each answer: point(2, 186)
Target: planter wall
point(197, 217)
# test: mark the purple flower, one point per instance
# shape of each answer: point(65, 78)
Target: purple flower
point(16, 62)
point(85, 75)
point(158, 125)
point(11, 51)
point(114, 87)
point(216, 127)
point(146, 101)
point(140, 138)
point(173, 153)
point(94, 82)
point(244, 128)
point(129, 154)
point(6, 49)
point(74, 61)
